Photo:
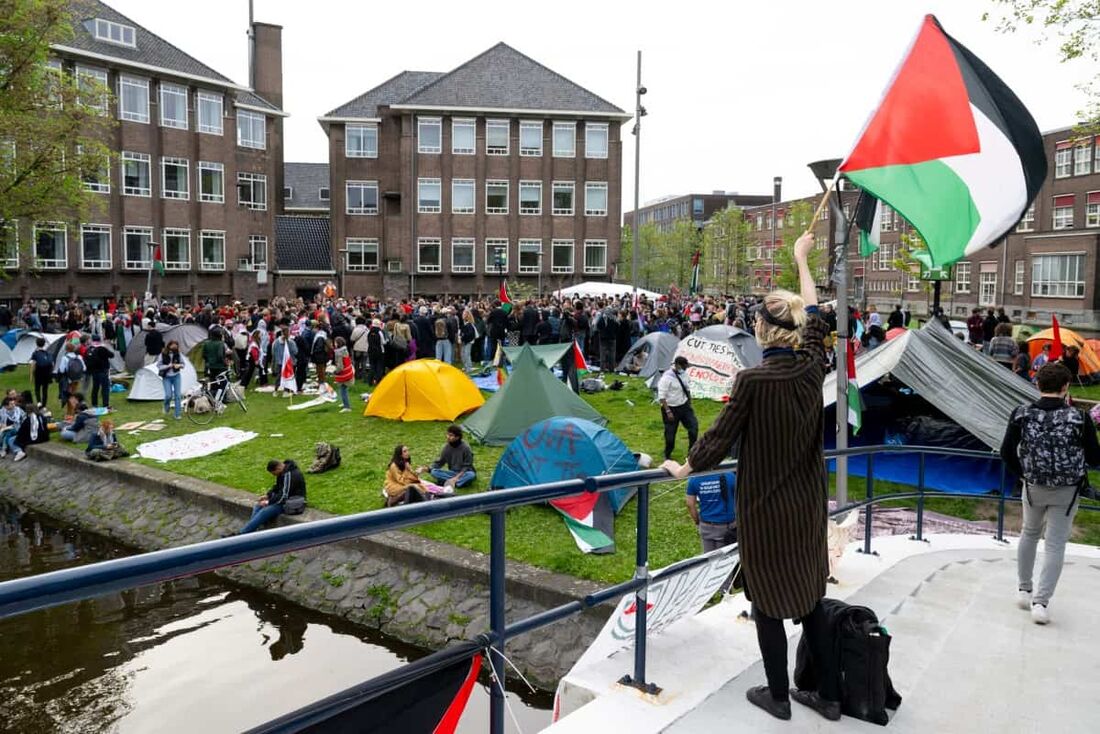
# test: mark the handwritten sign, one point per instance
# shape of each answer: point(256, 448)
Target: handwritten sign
point(712, 366)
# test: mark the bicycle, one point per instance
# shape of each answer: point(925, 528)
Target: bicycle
point(215, 393)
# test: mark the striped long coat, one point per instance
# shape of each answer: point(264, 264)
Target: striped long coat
point(775, 413)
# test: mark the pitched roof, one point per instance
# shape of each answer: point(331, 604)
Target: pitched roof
point(150, 49)
point(250, 98)
point(305, 181)
point(391, 91)
point(302, 243)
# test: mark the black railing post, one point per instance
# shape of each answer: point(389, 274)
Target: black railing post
point(641, 597)
point(920, 500)
point(1001, 507)
point(496, 620)
point(868, 513)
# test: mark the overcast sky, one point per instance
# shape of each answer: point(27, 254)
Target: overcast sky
point(738, 91)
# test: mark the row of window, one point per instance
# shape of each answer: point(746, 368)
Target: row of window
point(362, 141)
point(362, 255)
point(50, 249)
point(362, 197)
point(175, 180)
point(1062, 212)
point(1052, 276)
point(1080, 159)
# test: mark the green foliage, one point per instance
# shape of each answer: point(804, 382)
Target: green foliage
point(797, 220)
point(51, 123)
point(664, 258)
point(725, 241)
point(333, 579)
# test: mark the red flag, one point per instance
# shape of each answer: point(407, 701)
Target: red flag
point(505, 301)
point(1056, 339)
point(579, 360)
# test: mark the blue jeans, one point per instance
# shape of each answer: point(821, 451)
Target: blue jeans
point(444, 351)
point(467, 362)
point(342, 388)
point(261, 515)
point(442, 475)
point(172, 387)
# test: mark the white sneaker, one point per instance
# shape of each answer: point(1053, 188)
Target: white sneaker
point(1023, 599)
point(345, 410)
point(19, 456)
point(1039, 614)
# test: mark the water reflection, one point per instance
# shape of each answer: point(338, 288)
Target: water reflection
point(195, 654)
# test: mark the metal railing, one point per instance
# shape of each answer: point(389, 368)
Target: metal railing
point(32, 593)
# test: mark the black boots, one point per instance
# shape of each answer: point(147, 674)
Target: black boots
point(829, 709)
point(762, 696)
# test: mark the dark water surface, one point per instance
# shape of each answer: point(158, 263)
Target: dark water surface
point(194, 655)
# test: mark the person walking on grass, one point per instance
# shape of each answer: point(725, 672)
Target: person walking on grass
point(675, 399)
point(343, 372)
point(774, 415)
point(1050, 445)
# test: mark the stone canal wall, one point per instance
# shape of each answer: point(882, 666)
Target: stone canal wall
point(415, 589)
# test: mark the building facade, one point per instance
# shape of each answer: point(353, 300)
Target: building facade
point(699, 208)
point(445, 183)
point(195, 157)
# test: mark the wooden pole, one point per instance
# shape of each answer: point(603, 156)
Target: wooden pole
point(821, 206)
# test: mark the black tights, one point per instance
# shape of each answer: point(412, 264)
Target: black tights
point(773, 648)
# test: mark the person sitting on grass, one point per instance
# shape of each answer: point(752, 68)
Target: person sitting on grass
point(11, 417)
point(76, 418)
point(288, 494)
point(32, 430)
point(104, 445)
point(455, 465)
point(402, 484)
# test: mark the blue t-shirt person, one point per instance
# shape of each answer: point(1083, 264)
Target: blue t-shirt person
point(714, 495)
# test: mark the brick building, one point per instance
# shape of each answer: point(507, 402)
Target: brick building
point(443, 182)
point(196, 157)
point(663, 213)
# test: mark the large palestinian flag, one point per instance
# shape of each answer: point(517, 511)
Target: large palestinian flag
point(951, 148)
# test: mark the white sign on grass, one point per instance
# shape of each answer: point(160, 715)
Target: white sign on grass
point(711, 368)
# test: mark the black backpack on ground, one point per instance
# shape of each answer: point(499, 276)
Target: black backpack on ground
point(862, 649)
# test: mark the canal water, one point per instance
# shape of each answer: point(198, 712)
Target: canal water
point(193, 655)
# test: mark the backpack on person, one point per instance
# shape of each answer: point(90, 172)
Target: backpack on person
point(42, 360)
point(74, 370)
point(441, 328)
point(1050, 450)
point(399, 342)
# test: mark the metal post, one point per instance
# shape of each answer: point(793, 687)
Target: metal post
point(496, 620)
point(777, 188)
point(868, 514)
point(920, 499)
point(639, 112)
point(641, 571)
point(1001, 507)
point(842, 347)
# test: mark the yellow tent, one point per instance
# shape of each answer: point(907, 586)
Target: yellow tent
point(424, 390)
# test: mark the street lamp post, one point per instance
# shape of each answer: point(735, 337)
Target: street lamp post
point(639, 113)
point(777, 188)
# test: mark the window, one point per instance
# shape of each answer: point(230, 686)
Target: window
point(95, 246)
point(9, 246)
point(565, 140)
point(428, 256)
point(496, 256)
point(362, 197)
point(760, 222)
point(1063, 160)
point(138, 253)
point(212, 182)
point(53, 81)
point(595, 199)
point(595, 140)
point(95, 174)
point(1063, 212)
point(212, 244)
point(361, 141)
point(1018, 279)
point(1082, 159)
point(323, 193)
point(530, 138)
point(177, 249)
point(251, 130)
point(496, 197)
point(429, 135)
point(497, 133)
point(886, 218)
point(530, 197)
point(362, 255)
point(429, 196)
point(463, 136)
point(174, 178)
point(210, 113)
point(1027, 222)
point(462, 255)
point(288, 193)
point(595, 257)
point(561, 256)
point(252, 190)
point(462, 196)
point(962, 277)
point(1058, 275)
point(530, 256)
point(1092, 209)
point(136, 174)
point(912, 280)
point(563, 198)
point(257, 246)
point(133, 99)
point(92, 86)
point(111, 32)
point(1096, 155)
point(173, 106)
point(987, 284)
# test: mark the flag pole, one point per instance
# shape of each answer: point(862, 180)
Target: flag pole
point(821, 206)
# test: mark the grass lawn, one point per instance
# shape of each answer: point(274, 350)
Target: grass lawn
point(535, 535)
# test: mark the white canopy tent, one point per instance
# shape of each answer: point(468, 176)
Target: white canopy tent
point(148, 385)
point(593, 288)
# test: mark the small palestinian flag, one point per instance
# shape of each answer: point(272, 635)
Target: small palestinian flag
point(158, 260)
point(590, 519)
point(869, 221)
point(951, 148)
point(855, 399)
point(505, 301)
point(579, 361)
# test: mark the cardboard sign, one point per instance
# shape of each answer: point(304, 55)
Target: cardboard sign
point(712, 366)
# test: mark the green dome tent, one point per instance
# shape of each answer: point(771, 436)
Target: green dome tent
point(530, 394)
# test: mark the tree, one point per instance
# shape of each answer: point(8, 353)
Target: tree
point(681, 243)
point(726, 240)
point(1074, 25)
point(797, 220)
point(649, 255)
point(51, 123)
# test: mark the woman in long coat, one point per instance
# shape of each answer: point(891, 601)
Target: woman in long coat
point(775, 417)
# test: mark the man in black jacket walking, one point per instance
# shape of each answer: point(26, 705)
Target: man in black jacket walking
point(289, 483)
point(98, 364)
point(498, 329)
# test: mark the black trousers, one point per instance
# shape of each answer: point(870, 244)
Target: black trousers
point(773, 648)
point(41, 387)
point(681, 414)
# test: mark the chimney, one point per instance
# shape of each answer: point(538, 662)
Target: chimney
point(266, 73)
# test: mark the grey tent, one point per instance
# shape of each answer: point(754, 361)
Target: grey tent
point(548, 354)
point(742, 342)
point(28, 342)
point(650, 355)
point(6, 360)
point(966, 386)
point(189, 336)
